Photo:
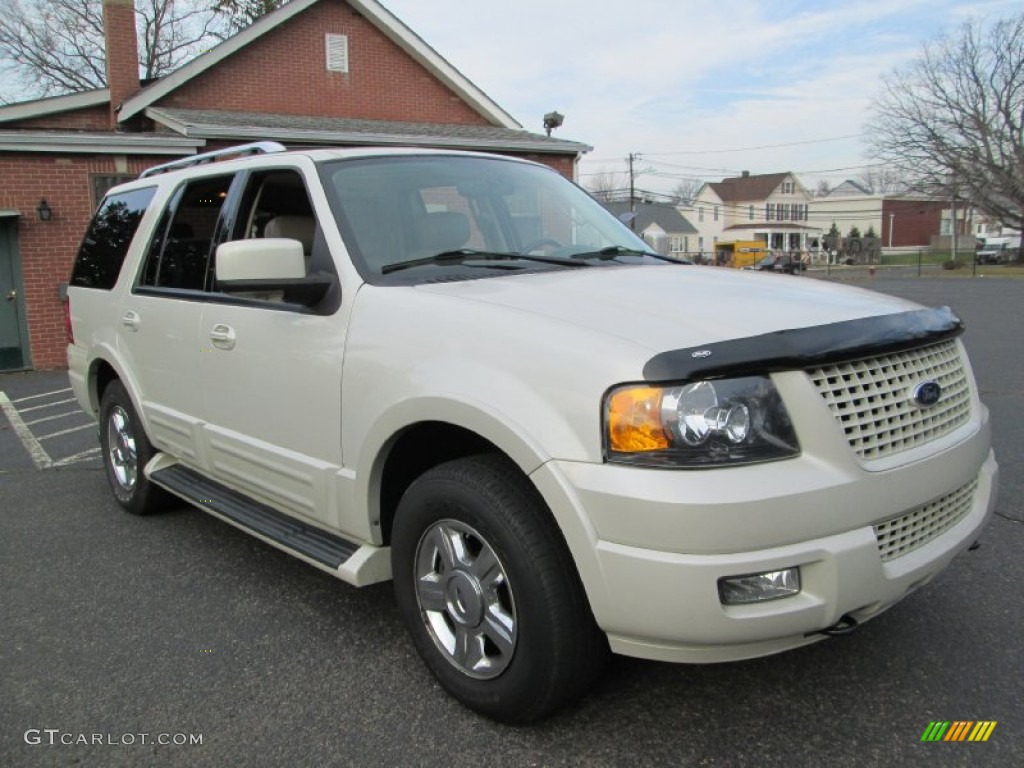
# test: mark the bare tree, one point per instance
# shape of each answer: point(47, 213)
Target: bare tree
point(953, 120)
point(823, 188)
point(685, 190)
point(239, 14)
point(52, 47)
point(607, 186)
point(883, 181)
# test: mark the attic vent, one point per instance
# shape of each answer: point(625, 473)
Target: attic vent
point(337, 53)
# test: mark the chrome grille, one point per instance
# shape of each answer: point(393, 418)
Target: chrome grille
point(872, 399)
point(904, 534)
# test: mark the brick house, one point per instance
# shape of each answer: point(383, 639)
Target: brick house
point(314, 72)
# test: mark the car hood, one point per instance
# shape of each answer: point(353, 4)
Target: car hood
point(669, 307)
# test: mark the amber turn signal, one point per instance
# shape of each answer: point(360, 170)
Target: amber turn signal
point(634, 420)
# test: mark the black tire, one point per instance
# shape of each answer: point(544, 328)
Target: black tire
point(523, 615)
point(126, 451)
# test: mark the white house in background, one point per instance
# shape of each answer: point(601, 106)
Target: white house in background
point(849, 187)
point(848, 206)
point(771, 207)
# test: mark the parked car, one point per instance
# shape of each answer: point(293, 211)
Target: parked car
point(775, 262)
point(458, 372)
point(998, 250)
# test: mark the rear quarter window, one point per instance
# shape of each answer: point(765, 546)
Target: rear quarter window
point(108, 237)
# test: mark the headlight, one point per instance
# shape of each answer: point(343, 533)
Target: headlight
point(698, 424)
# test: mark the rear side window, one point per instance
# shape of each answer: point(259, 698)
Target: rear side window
point(106, 241)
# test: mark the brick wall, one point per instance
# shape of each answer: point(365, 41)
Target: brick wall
point(89, 119)
point(914, 222)
point(285, 72)
point(47, 248)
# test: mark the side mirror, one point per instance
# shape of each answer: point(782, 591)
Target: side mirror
point(269, 264)
point(271, 258)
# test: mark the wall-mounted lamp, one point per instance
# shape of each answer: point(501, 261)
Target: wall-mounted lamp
point(44, 210)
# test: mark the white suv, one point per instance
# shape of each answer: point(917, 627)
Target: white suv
point(459, 372)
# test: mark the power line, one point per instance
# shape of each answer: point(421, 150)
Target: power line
point(753, 149)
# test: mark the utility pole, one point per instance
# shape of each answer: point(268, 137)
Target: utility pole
point(952, 194)
point(632, 192)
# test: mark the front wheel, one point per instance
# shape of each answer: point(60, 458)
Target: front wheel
point(489, 592)
point(126, 451)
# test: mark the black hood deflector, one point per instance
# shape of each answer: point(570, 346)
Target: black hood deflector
point(801, 348)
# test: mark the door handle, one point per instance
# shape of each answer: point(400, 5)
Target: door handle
point(223, 336)
point(12, 295)
point(131, 320)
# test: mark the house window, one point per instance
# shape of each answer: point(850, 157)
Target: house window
point(716, 213)
point(787, 187)
point(750, 213)
point(783, 211)
point(700, 213)
point(700, 243)
point(769, 211)
point(102, 183)
point(337, 52)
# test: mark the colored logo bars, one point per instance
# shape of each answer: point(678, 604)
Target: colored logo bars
point(958, 730)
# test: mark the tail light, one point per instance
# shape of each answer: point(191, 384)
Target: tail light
point(67, 320)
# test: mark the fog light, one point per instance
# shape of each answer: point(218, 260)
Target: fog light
point(758, 587)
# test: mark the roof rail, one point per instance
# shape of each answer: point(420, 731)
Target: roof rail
point(257, 148)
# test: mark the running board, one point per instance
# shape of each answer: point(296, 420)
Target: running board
point(355, 564)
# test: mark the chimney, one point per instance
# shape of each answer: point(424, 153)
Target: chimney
point(746, 174)
point(122, 50)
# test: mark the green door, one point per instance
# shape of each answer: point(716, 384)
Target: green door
point(13, 333)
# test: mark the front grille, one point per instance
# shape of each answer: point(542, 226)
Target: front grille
point(904, 534)
point(872, 399)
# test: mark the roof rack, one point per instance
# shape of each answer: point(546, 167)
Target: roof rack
point(256, 148)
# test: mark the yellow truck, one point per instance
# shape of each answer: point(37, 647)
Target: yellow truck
point(740, 253)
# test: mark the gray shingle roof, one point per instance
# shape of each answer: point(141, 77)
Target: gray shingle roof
point(307, 130)
point(665, 215)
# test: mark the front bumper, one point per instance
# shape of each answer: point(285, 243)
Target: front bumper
point(650, 563)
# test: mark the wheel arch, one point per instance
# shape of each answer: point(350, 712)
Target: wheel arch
point(415, 449)
point(102, 370)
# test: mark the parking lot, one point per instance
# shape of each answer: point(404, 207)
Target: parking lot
point(179, 625)
point(43, 413)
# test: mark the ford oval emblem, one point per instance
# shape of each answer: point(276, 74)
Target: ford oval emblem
point(926, 394)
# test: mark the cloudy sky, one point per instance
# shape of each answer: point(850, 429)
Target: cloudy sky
point(699, 88)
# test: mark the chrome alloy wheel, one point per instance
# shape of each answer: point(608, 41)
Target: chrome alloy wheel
point(465, 599)
point(124, 461)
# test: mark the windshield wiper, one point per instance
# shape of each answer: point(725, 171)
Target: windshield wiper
point(611, 251)
point(462, 255)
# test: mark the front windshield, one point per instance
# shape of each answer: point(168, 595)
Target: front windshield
point(482, 216)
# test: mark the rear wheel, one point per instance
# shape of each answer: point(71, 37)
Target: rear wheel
point(126, 451)
point(489, 593)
